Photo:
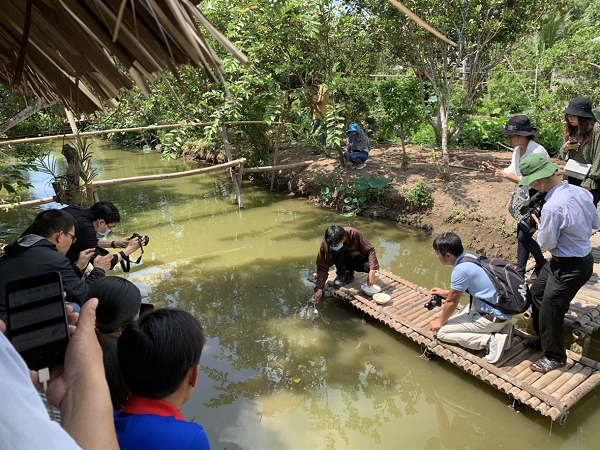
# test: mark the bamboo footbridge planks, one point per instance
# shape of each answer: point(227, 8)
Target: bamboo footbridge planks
point(551, 394)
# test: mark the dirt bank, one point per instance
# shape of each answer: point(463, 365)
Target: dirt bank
point(473, 204)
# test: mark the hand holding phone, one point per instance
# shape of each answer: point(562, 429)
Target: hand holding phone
point(37, 319)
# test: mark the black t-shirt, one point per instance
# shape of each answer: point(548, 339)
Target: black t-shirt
point(86, 235)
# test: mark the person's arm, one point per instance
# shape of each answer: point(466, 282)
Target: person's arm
point(75, 288)
point(548, 229)
point(450, 304)
point(592, 179)
point(323, 265)
point(507, 174)
point(121, 243)
point(81, 391)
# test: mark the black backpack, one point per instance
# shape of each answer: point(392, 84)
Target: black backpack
point(513, 293)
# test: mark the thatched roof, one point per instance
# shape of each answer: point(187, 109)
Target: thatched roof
point(70, 50)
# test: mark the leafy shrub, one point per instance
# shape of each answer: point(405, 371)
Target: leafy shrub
point(364, 191)
point(420, 195)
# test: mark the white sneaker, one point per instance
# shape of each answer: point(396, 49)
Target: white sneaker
point(508, 330)
point(496, 348)
point(361, 166)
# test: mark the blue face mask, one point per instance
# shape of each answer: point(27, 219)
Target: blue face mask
point(337, 248)
point(103, 235)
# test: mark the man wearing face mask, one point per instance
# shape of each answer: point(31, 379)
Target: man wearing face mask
point(350, 251)
point(93, 226)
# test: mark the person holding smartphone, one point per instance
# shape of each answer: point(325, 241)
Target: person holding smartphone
point(521, 136)
point(582, 143)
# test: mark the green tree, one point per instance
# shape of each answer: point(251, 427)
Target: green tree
point(400, 101)
point(484, 31)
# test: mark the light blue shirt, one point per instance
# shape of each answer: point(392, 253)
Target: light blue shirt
point(568, 218)
point(470, 278)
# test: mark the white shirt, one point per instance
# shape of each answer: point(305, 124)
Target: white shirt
point(532, 147)
point(568, 218)
point(24, 421)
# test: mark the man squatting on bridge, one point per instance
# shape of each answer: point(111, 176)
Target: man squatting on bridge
point(350, 251)
point(477, 325)
point(564, 229)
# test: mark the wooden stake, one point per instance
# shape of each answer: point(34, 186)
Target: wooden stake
point(236, 188)
point(275, 154)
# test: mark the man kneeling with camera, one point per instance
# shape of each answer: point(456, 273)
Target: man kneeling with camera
point(478, 325)
point(564, 228)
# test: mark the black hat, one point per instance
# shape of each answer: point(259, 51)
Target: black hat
point(580, 107)
point(521, 126)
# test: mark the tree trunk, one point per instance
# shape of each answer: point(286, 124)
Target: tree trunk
point(67, 188)
point(445, 155)
point(23, 115)
point(404, 164)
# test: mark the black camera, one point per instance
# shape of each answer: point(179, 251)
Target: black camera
point(137, 236)
point(533, 206)
point(435, 300)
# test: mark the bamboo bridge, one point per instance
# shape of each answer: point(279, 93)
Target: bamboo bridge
point(552, 394)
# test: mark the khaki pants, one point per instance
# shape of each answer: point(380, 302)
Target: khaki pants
point(469, 329)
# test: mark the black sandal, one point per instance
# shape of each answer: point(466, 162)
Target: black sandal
point(545, 365)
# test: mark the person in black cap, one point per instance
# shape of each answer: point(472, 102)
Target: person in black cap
point(582, 143)
point(520, 134)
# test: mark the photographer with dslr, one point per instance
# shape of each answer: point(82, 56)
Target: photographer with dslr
point(582, 144)
point(520, 134)
point(564, 228)
point(478, 325)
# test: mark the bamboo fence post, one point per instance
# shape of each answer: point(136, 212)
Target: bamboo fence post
point(275, 154)
point(240, 174)
point(236, 188)
point(282, 167)
point(39, 201)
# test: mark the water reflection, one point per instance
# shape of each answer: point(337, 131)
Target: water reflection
point(243, 274)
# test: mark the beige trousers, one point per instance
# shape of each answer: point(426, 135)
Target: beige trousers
point(469, 329)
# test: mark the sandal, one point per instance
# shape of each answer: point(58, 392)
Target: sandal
point(545, 365)
point(532, 342)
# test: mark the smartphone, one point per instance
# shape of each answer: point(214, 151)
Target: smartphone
point(100, 251)
point(37, 320)
point(145, 308)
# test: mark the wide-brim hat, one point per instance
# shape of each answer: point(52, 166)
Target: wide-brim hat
point(520, 126)
point(580, 107)
point(535, 166)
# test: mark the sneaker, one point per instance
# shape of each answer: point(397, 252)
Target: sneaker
point(361, 166)
point(496, 348)
point(508, 330)
point(340, 280)
point(349, 277)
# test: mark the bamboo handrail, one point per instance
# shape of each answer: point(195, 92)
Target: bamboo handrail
point(125, 130)
point(166, 176)
point(37, 202)
point(281, 167)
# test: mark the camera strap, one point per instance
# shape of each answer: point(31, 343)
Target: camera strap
point(126, 262)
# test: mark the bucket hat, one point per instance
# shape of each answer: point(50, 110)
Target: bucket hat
point(352, 127)
point(535, 166)
point(520, 126)
point(580, 107)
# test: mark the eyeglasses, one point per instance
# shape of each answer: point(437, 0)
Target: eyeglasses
point(73, 237)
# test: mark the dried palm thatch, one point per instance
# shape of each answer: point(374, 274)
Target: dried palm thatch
point(73, 51)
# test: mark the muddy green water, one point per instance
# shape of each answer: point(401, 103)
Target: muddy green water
point(362, 386)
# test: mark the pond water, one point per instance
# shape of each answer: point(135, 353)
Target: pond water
point(243, 274)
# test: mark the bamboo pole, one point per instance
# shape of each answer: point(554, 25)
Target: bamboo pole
point(125, 130)
point(168, 175)
point(39, 201)
point(275, 154)
point(282, 167)
point(236, 188)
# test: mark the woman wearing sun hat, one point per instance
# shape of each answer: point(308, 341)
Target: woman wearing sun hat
point(567, 221)
point(520, 134)
point(582, 143)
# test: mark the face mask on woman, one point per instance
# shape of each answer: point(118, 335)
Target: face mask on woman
point(337, 248)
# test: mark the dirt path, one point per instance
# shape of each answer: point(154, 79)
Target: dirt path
point(473, 204)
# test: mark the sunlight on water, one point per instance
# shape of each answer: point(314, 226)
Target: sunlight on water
point(243, 274)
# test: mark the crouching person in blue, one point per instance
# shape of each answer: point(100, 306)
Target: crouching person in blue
point(568, 217)
point(357, 146)
point(478, 325)
point(159, 357)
